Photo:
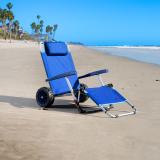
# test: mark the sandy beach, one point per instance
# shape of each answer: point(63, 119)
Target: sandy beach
point(60, 133)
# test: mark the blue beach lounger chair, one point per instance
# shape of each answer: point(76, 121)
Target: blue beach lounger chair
point(63, 79)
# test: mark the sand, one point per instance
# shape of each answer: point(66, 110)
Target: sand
point(61, 133)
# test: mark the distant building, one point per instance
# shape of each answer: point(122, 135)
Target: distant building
point(37, 37)
point(20, 31)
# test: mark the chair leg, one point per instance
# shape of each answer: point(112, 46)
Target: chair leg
point(80, 110)
point(119, 115)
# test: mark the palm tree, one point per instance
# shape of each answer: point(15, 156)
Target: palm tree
point(1, 15)
point(9, 6)
point(37, 31)
point(38, 17)
point(55, 27)
point(51, 30)
point(4, 16)
point(10, 18)
point(1, 10)
point(41, 26)
point(38, 28)
point(16, 27)
point(33, 26)
point(47, 31)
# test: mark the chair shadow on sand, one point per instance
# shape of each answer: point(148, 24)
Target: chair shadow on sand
point(60, 105)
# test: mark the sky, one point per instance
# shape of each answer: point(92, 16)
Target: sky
point(95, 22)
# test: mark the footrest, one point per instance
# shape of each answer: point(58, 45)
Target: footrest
point(105, 95)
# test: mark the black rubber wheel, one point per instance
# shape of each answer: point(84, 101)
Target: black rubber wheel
point(83, 96)
point(44, 97)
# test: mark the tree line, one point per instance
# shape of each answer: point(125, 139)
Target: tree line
point(9, 26)
point(38, 29)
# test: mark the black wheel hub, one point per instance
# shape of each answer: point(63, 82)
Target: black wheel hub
point(42, 97)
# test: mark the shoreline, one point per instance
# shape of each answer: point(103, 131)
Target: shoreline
point(127, 57)
point(138, 47)
point(130, 59)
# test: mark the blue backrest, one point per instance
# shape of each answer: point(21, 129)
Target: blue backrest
point(58, 60)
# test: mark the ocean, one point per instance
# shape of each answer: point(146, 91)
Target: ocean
point(143, 54)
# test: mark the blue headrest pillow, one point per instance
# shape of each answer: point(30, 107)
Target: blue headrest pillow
point(55, 48)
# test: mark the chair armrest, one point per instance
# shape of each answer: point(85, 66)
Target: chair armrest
point(94, 73)
point(67, 74)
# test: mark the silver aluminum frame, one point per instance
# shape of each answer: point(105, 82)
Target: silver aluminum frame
point(104, 107)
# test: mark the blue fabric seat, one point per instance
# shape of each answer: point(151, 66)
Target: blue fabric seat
point(105, 95)
point(58, 60)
